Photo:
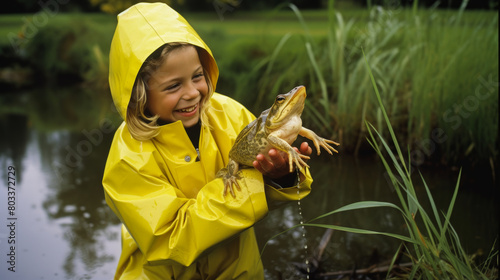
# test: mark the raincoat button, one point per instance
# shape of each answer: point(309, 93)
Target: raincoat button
point(187, 158)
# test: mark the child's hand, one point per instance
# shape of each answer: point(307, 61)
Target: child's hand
point(277, 166)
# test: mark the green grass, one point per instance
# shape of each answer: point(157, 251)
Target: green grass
point(437, 251)
point(64, 45)
point(32, 23)
point(424, 66)
point(431, 243)
point(428, 63)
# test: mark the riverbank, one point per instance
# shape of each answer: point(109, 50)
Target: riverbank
point(437, 70)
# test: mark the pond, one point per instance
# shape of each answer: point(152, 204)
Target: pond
point(57, 140)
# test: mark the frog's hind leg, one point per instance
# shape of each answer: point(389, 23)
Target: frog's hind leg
point(318, 141)
point(230, 177)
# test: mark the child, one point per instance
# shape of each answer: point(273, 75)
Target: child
point(160, 174)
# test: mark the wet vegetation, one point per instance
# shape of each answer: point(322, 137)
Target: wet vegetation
point(437, 69)
point(430, 242)
point(435, 73)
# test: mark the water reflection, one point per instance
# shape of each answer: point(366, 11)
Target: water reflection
point(58, 141)
point(76, 197)
point(13, 142)
point(344, 180)
point(338, 182)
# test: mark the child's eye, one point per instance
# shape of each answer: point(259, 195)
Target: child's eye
point(171, 87)
point(198, 75)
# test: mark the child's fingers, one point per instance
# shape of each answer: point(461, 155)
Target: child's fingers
point(305, 149)
point(277, 160)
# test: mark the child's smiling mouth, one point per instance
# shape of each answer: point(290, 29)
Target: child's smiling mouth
point(188, 109)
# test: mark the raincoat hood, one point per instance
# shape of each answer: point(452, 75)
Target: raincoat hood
point(141, 30)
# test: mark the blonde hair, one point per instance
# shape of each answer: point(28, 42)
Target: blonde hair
point(141, 125)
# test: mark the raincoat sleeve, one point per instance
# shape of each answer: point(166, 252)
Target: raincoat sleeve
point(276, 197)
point(167, 226)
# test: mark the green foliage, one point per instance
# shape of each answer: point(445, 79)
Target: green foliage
point(437, 251)
point(117, 6)
point(437, 69)
point(240, 57)
point(448, 76)
point(332, 70)
point(432, 244)
point(70, 46)
point(429, 64)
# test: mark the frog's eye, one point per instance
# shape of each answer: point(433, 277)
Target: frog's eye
point(280, 98)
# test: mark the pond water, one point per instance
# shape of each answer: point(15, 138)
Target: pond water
point(57, 140)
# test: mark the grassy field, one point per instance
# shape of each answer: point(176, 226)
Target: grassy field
point(437, 70)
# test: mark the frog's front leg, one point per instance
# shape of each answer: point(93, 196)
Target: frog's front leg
point(293, 156)
point(318, 141)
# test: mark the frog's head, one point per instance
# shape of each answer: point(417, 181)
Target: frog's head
point(286, 106)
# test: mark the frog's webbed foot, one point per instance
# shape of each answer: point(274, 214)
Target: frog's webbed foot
point(297, 158)
point(319, 141)
point(230, 177)
point(229, 182)
point(324, 143)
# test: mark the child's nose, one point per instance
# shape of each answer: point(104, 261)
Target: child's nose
point(191, 92)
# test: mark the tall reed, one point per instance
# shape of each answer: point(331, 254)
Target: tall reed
point(436, 250)
point(338, 83)
point(432, 244)
point(431, 65)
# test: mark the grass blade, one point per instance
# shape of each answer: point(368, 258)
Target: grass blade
point(362, 231)
point(357, 206)
point(389, 126)
point(450, 208)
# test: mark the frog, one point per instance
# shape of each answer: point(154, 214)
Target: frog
point(277, 127)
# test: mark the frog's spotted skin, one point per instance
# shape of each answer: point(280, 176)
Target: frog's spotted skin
point(277, 127)
point(256, 140)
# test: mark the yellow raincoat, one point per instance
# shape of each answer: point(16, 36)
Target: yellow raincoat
point(177, 223)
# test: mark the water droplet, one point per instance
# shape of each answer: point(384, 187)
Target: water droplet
point(70, 208)
point(303, 228)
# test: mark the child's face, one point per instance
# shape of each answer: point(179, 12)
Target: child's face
point(176, 88)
